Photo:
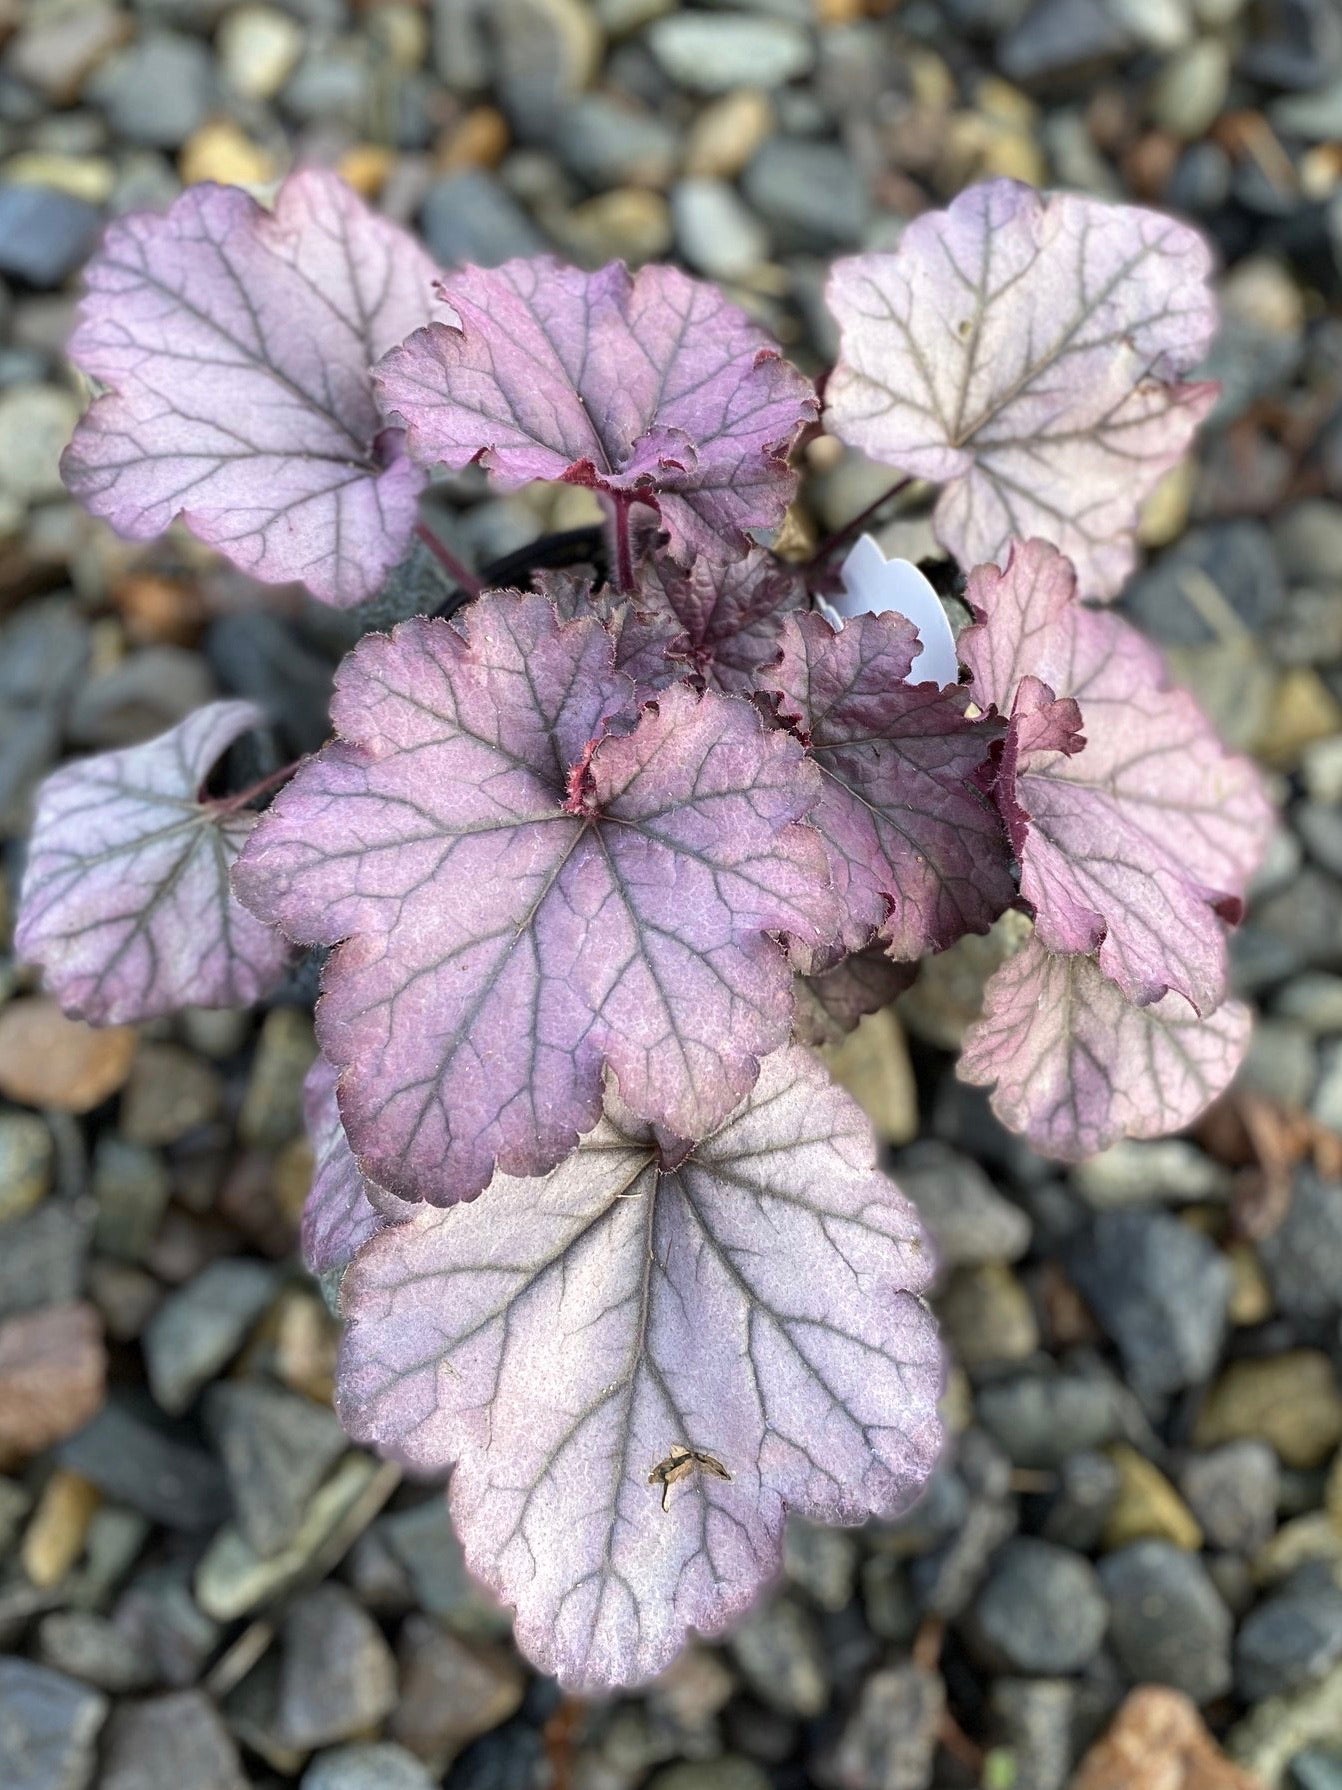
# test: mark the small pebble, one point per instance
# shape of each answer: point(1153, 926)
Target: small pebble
point(1167, 1624)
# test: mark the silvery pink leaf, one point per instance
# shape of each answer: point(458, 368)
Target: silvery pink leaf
point(126, 903)
point(915, 848)
point(729, 618)
point(650, 384)
point(527, 895)
point(757, 1301)
point(237, 344)
point(1077, 1066)
point(1139, 844)
point(831, 1003)
point(339, 1214)
point(1030, 353)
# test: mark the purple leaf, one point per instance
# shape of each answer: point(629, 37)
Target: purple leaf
point(830, 1004)
point(650, 385)
point(342, 1210)
point(1030, 353)
point(915, 848)
point(523, 907)
point(758, 1300)
point(729, 618)
point(1077, 1066)
point(126, 903)
point(642, 636)
point(1138, 844)
point(238, 344)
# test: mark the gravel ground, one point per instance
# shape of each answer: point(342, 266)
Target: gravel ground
point(202, 1586)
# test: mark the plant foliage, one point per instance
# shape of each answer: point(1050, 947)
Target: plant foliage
point(599, 860)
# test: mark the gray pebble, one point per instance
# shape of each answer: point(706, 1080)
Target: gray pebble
point(158, 91)
point(201, 1326)
point(1086, 1491)
point(713, 53)
point(715, 231)
point(1160, 1291)
point(276, 1447)
point(469, 217)
point(1040, 1611)
point(811, 193)
point(423, 1542)
point(1232, 1491)
point(971, 1223)
point(1040, 1417)
point(372, 1766)
point(337, 1673)
point(779, 1652)
point(155, 1472)
point(889, 1741)
point(1167, 1621)
point(609, 144)
point(49, 1727)
point(44, 235)
point(43, 1255)
point(166, 1743)
point(1292, 1638)
point(1035, 1717)
point(1303, 1256)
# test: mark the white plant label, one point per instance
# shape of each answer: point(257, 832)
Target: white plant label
point(873, 585)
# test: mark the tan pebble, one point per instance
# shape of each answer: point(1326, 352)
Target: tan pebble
point(367, 168)
point(1250, 1294)
point(872, 1062)
point(1158, 1741)
point(54, 1538)
point(1147, 1506)
point(726, 134)
point(87, 177)
point(480, 139)
point(220, 151)
point(49, 1060)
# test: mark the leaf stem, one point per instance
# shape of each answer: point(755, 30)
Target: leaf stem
point(840, 535)
point(622, 537)
point(263, 786)
point(454, 567)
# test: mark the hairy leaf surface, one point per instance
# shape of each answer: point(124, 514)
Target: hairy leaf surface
point(126, 902)
point(1077, 1066)
point(1029, 352)
point(1139, 843)
point(830, 1004)
point(556, 1342)
point(238, 345)
point(915, 848)
point(526, 897)
point(650, 384)
point(342, 1210)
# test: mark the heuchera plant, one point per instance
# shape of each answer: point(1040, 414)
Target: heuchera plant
point(595, 863)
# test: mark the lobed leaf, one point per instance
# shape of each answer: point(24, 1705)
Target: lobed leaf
point(529, 891)
point(757, 1300)
point(238, 345)
point(650, 385)
point(915, 848)
point(1030, 352)
point(125, 902)
point(830, 1004)
point(1077, 1066)
point(1139, 844)
point(342, 1210)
